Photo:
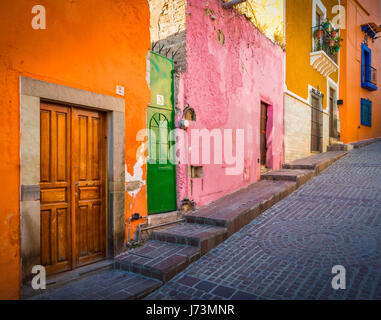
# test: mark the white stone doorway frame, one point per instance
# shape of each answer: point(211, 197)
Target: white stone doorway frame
point(32, 92)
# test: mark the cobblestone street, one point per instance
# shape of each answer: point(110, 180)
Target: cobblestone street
point(290, 250)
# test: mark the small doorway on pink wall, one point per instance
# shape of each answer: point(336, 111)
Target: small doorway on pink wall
point(263, 137)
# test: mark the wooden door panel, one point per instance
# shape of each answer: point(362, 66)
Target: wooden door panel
point(62, 157)
point(45, 167)
point(54, 188)
point(62, 220)
point(82, 219)
point(89, 173)
point(46, 258)
point(97, 226)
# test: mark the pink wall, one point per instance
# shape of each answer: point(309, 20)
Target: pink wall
point(225, 84)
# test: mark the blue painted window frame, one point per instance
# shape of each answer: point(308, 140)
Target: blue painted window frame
point(366, 112)
point(366, 61)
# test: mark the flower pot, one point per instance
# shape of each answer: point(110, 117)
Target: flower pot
point(337, 49)
point(326, 25)
point(319, 34)
point(332, 43)
point(333, 34)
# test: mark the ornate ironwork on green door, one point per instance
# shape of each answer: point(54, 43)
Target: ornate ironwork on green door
point(161, 172)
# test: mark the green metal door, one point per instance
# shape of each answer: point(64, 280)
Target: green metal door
point(161, 170)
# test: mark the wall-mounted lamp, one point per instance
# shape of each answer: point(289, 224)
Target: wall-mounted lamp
point(184, 124)
point(188, 115)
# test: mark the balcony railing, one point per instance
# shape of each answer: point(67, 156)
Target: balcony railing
point(323, 41)
point(370, 75)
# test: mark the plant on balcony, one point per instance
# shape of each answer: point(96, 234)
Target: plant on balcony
point(338, 42)
point(326, 24)
point(319, 33)
point(334, 33)
point(332, 51)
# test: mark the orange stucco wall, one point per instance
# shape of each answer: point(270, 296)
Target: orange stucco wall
point(87, 46)
point(357, 13)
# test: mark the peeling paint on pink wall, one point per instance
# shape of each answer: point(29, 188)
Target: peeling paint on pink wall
point(225, 84)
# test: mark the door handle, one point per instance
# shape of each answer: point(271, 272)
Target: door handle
point(76, 184)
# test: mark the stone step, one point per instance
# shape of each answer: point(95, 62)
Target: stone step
point(340, 147)
point(300, 176)
point(201, 236)
point(237, 209)
point(333, 141)
point(318, 162)
point(157, 259)
point(364, 143)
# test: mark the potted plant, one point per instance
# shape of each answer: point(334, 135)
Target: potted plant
point(332, 43)
point(319, 33)
point(326, 24)
point(334, 33)
point(338, 42)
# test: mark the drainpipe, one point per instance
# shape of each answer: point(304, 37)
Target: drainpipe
point(136, 216)
point(140, 226)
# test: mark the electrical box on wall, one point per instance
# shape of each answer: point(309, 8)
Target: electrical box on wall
point(197, 172)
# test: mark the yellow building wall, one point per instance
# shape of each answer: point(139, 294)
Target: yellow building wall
point(299, 72)
point(267, 16)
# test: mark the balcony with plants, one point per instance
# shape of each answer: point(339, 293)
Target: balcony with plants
point(325, 48)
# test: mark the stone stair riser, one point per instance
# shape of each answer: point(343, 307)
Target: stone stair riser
point(205, 245)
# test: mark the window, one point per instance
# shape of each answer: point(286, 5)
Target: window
point(366, 112)
point(319, 12)
point(368, 73)
point(318, 19)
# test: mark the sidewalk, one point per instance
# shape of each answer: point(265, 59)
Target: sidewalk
point(140, 271)
point(174, 248)
point(290, 250)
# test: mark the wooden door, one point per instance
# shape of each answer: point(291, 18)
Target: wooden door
point(73, 215)
point(55, 198)
point(315, 126)
point(89, 189)
point(331, 113)
point(263, 134)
